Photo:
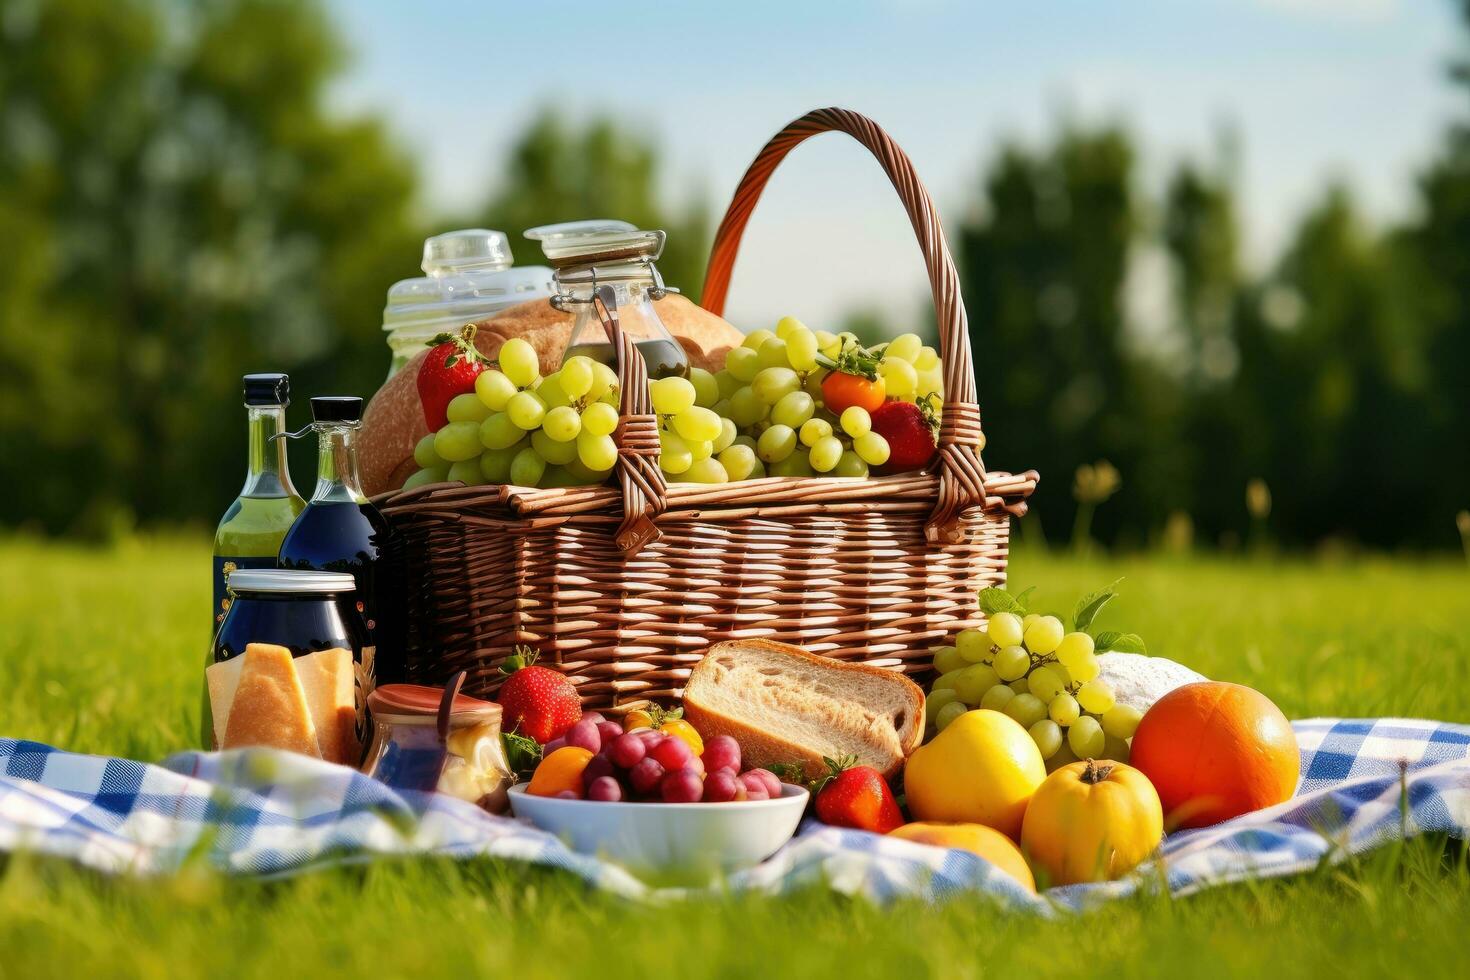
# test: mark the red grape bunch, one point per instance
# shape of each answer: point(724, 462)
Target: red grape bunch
point(649, 766)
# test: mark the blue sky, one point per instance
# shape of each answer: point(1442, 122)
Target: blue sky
point(1314, 88)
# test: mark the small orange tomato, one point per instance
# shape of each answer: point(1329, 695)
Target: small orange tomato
point(560, 771)
point(841, 391)
point(637, 719)
point(681, 729)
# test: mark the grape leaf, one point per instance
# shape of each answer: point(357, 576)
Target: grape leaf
point(1111, 641)
point(994, 601)
point(1090, 605)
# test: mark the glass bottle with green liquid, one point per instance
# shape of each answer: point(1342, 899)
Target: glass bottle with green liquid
point(251, 532)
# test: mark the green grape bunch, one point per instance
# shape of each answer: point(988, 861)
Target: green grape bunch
point(771, 389)
point(762, 415)
point(692, 436)
point(1030, 667)
point(521, 428)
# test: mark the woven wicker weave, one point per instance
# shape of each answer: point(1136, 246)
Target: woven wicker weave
point(624, 587)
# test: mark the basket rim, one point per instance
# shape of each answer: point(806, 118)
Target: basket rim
point(1003, 491)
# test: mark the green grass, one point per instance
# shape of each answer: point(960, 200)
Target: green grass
point(101, 652)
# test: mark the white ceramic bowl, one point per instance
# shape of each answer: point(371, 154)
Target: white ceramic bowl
point(669, 839)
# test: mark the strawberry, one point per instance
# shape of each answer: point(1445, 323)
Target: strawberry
point(537, 701)
point(450, 369)
point(910, 430)
point(856, 796)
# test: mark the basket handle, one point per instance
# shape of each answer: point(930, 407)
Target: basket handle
point(961, 473)
point(644, 490)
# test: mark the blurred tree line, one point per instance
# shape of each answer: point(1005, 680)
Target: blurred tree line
point(178, 206)
point(1323, 399)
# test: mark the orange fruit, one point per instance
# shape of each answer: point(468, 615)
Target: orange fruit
point(1215, 750)
point(560, 771)
point(976, 838)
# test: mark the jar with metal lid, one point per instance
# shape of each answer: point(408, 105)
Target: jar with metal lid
point(468, 276)
point(305, 612)
point(587, 254)
point(430, 739)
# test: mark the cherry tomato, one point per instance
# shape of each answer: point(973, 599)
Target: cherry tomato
point(841, 391)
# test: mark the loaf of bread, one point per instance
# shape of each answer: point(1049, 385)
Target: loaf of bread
point(394, 421)
point(784, 705)
point(306, 704)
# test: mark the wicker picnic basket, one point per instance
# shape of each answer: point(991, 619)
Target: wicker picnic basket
point(624, 587)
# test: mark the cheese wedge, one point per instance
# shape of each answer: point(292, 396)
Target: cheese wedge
point(270, 707)
point(222, 679)
point(328, 683)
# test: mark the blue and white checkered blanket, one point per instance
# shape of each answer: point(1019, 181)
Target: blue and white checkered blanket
point(1364, 783)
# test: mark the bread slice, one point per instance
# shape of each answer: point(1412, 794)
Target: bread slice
point(222, 679)
point(328, 684)
point(783, 704)
point(269, 706)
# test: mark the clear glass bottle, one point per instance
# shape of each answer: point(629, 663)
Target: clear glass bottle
point(587, 254)
point(468, 276)
point(249, 534)
point(340, 531)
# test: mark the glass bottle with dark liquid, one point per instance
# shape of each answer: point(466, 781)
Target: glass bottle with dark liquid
point(587, 254)
point(340, 531)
